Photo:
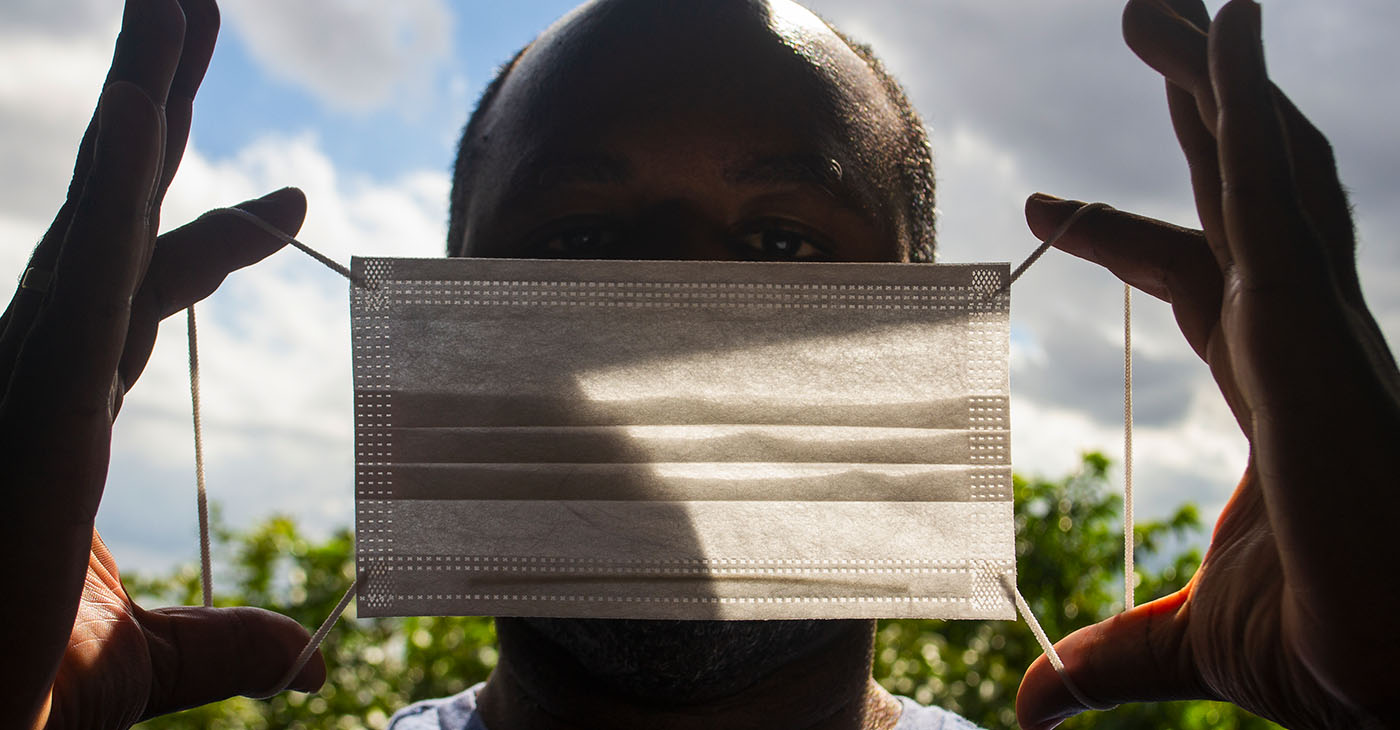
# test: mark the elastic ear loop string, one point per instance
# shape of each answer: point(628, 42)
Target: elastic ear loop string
point(1129, 573)
point(206, 580)
point(1012, 590)
point(1007, 584)
point(206, 584)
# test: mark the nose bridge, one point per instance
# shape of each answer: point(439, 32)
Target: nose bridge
point(677, 229)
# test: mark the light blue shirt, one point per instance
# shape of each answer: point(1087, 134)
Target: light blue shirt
point(459, 713)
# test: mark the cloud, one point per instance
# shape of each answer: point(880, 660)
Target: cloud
point(61, 18)
point(274, 354)
point(356, 55)
point(274, 349)
point(1087, 375)
point(274, 339)
point(47, 95)
point(1052, 82)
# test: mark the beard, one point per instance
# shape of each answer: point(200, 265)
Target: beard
point(682, 662)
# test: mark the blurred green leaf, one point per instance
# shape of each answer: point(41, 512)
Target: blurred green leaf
point(1068, 543)
point(1069, 547)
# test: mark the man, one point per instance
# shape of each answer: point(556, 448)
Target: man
point(722, 150)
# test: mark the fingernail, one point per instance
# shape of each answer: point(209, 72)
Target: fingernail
point(274, 195)
point(1046, 198)
point(1246, 54)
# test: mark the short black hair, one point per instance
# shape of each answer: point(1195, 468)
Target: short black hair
point(914, 158)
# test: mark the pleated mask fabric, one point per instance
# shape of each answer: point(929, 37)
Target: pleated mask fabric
point(682, 440)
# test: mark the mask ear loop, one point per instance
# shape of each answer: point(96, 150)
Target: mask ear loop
point(206, 580)
point(1129, 576)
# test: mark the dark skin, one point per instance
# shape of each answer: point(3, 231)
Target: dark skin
point(1266, 294)
point(683, 147)
point(539, 686)
point(686, 148)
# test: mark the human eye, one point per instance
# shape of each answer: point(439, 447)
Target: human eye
point(782, 241)
point(576, 238)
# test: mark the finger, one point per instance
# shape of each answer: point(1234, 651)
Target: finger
point(147, 53)
point(1141, 655)
point(201, 32)
point(149, 45)
point(1193, 126)
point(1203, 162)
point(61, 386)
point(202, 655)
point(1171, 263)
point(1166, 261)
point(1169, 38)
point(1270, 240)
point(191, 261)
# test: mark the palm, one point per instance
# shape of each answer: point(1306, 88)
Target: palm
point(104, 678)
point(1234, 614)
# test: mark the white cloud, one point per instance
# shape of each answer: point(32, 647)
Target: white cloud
point(274, 339)
point(47, 95)
point(65, 18)
point(356, 55)
point(274, 345)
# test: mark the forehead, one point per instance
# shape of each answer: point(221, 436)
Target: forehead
point(686, 84)
point(761, 61)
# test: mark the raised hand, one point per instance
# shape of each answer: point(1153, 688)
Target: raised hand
point(75, 652)
point(1290, 615)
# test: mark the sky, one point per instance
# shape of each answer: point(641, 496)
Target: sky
point(359, 103)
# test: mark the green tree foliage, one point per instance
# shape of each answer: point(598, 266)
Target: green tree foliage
point(1069, 549)
point(1068, 544)
point(374, 666)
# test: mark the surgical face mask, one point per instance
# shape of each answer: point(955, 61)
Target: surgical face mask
point(682, 440)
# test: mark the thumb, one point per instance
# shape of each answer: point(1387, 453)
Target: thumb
point(1141, 655)
point(202, 655)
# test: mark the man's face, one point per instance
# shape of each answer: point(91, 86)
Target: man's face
point(726, 129)
point(709, 130)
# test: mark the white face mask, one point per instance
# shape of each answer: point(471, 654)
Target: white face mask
point(682, 440)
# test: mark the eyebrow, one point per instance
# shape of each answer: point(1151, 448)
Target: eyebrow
point(543, 173)
point(812, 171)
point(788, 169)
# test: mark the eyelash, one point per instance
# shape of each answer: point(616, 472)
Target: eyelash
point(756, 240)
point(550, 242)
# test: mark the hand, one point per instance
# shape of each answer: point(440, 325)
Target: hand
point(75, 651)
point(1291, 614)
